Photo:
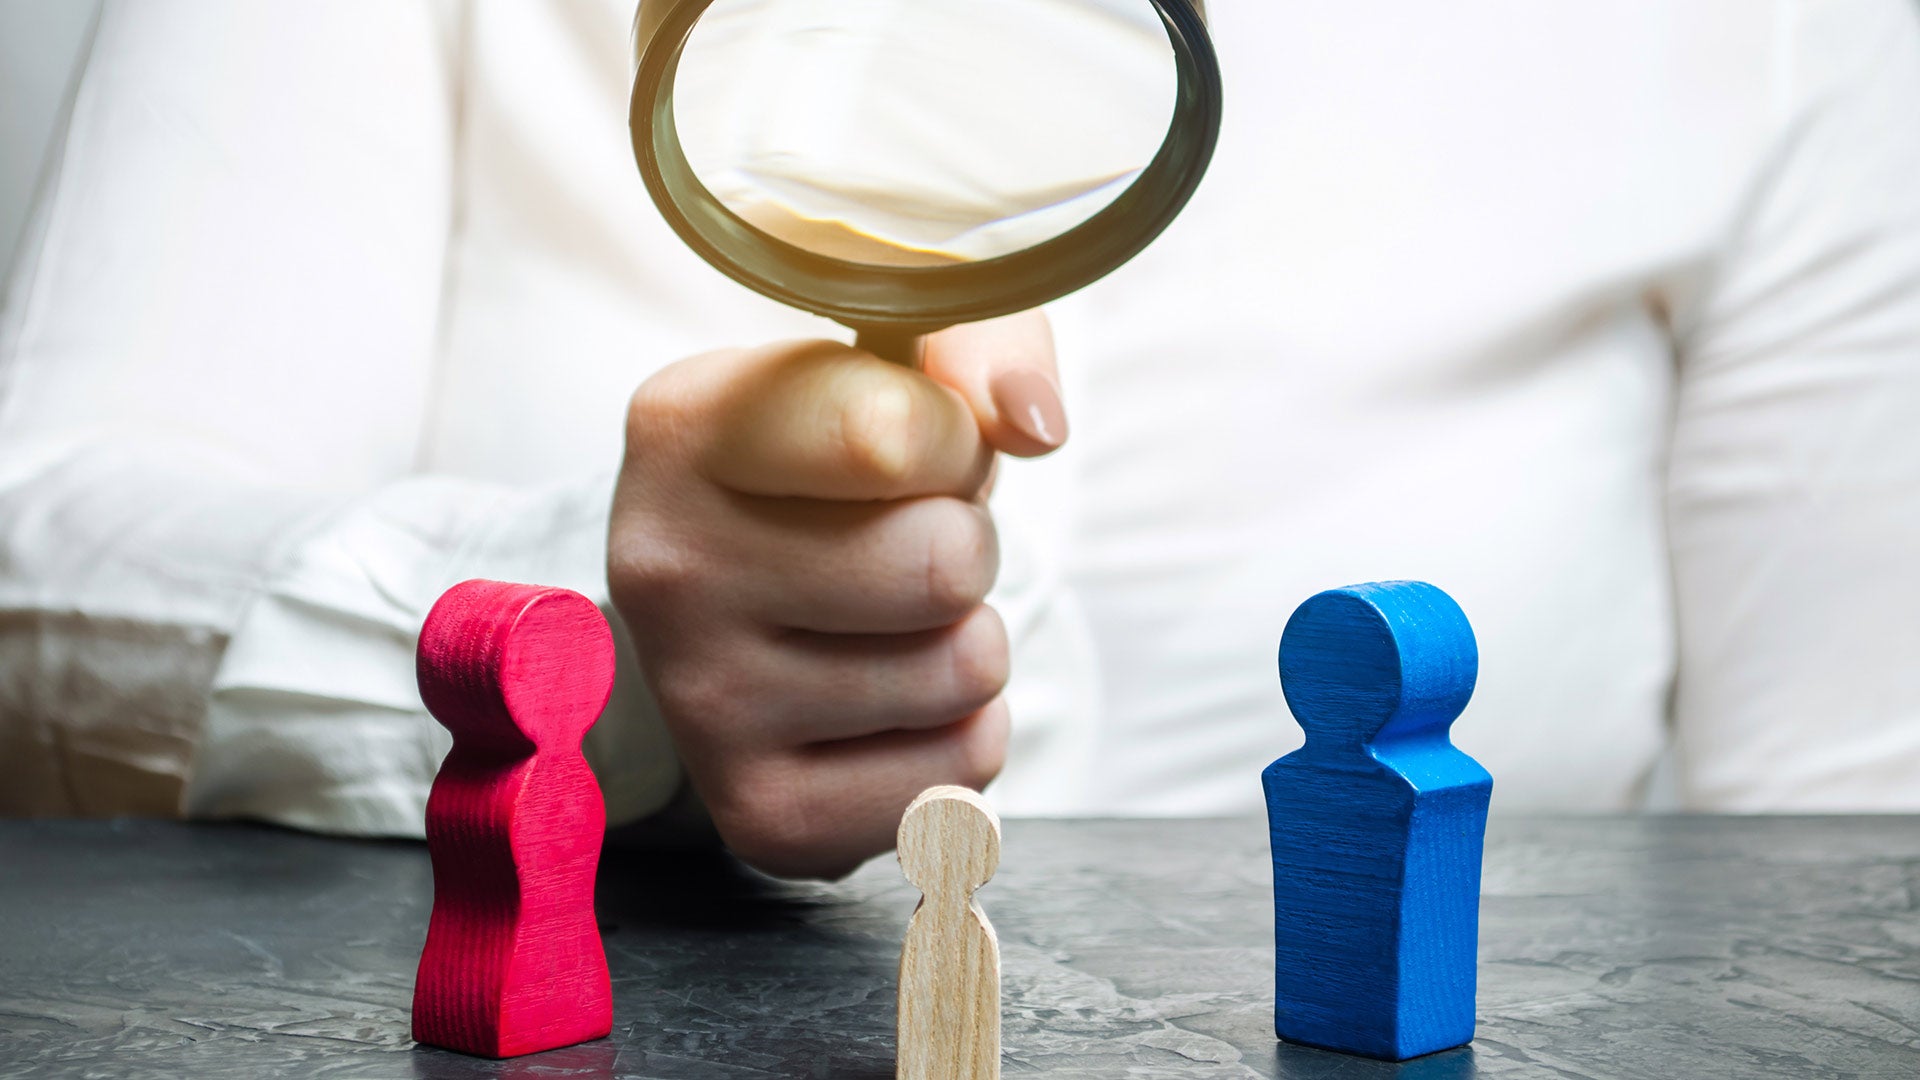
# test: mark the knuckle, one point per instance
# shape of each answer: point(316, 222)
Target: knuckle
point(979, 655)
point(653, 408)
point(634, 561)
point(646, 571)
point(962, 559)
point(983, 746)
point(767, 821)
point(667, 405)
point(695, 695)
point(875, 436)
point(762, 832)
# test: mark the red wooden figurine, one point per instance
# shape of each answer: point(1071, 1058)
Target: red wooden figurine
point(513, 962)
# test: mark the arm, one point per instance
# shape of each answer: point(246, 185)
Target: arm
point(215, 369)
point(1794, 484)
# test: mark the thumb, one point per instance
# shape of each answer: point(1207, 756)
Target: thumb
point(1004, 368)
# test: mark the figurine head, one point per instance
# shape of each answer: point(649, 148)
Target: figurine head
point(949, 842)
point(1380, 661)
point(511, 668)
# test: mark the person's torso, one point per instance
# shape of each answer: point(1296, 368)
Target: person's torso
point(1411, 326)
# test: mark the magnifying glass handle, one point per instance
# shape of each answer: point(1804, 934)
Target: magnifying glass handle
point(900, 346)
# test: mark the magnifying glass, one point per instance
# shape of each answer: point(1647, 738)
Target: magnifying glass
point(904, 165)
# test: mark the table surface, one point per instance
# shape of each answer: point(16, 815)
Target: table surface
point(1663, 947)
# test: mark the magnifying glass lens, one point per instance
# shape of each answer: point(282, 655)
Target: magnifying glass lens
point(919, 133)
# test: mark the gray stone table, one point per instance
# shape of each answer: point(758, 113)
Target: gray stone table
point(1661, 948)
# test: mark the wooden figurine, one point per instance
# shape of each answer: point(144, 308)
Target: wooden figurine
point(513, 961)
point(1377, 825)
point(949, 1029)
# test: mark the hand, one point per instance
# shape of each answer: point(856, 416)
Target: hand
point(800, 545)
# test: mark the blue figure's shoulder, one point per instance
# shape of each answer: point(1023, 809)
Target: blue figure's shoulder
point(1440, 766)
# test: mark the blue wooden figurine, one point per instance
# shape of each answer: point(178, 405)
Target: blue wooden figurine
point(1377, 824)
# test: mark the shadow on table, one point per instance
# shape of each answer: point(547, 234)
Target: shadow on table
point(695, 890)
point(587, 1061)
point(602, 1060)
point(1305, 1063)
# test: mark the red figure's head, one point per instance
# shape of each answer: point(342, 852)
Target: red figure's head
point(511, 668)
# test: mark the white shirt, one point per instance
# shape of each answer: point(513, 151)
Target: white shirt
point(1605, 318)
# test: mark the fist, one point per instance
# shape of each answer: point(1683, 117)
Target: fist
point(801, 547)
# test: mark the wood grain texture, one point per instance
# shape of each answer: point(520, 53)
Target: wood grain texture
point(949, 1022)
point(1376, 825)
point(513, 962)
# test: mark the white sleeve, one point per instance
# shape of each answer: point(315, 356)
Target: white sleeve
point(1794, 484)
point(216, 364)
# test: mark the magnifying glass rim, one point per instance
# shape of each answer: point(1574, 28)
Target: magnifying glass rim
point(926, 297)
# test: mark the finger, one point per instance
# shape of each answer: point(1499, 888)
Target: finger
point(1004, 369)
point(857, 568)
point(822, 420)
point(832, 687)
point(823, 810)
